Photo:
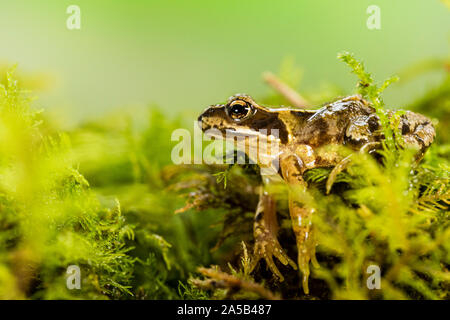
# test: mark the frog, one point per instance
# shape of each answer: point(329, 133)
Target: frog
point(304, 137)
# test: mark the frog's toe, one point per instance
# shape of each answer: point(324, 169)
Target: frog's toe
point(283, 257)
point(306, 246)
point(266, 249)
point(314, 261)
point(273, 267)
point(306, 255)
point(303, 264)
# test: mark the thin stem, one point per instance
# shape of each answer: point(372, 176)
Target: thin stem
point(290, 94)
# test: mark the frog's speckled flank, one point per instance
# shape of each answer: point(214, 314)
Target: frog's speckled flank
point(350, 121)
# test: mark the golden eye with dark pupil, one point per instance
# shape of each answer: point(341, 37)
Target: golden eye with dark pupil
point(238, 110)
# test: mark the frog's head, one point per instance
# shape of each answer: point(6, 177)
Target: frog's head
point(241, 115)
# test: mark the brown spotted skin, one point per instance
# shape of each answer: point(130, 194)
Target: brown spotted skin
point(350, 122)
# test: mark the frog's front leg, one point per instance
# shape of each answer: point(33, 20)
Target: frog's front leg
point(265, 232)
point(344, 163)
point(301, 216)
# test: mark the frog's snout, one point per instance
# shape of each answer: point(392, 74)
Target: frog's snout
point(208, 112)
point(202, 120)
point(199, 120)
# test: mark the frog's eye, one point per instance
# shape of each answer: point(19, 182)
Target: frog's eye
point(238, 110)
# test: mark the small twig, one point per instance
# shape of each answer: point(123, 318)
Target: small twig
point(219, 279)
point(290, 94)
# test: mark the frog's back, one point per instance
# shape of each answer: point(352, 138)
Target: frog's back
point(329, 124)
point(353, 122)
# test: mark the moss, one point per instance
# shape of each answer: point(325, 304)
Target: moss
point(103, 196)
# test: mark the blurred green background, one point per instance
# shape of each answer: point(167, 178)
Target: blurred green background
point(185, 55)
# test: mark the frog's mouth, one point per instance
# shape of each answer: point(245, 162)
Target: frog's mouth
point(262, 149)
point(214, 133)
point(229, 133)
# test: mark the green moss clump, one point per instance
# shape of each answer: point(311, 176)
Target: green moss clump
point(49, 218)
